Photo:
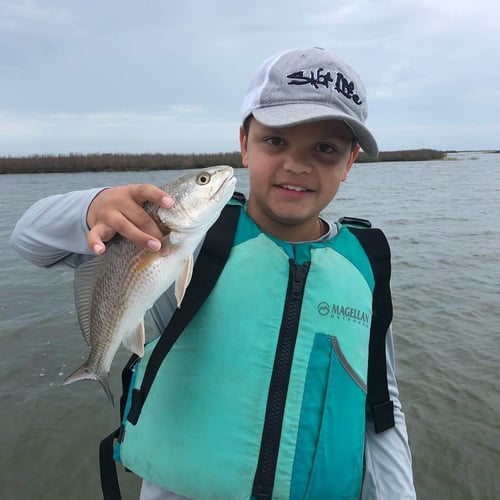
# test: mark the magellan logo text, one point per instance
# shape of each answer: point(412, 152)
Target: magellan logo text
point(347, 313)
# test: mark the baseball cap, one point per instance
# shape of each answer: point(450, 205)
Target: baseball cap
point(304, 85)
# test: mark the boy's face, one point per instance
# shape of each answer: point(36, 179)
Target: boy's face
point(294, 174)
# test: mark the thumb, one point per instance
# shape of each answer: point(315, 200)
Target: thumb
point(97, 236)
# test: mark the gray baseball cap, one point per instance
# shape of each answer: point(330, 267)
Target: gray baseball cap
point(305, 85)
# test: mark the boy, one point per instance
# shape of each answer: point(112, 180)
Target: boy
point(261, 396)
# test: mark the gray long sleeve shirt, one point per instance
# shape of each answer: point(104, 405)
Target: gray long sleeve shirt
point(54, 231)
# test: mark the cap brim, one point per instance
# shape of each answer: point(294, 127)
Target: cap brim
point(287, 115)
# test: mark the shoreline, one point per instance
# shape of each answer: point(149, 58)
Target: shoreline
point(118, 162)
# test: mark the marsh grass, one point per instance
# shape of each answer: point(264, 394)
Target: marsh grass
point(118, 162)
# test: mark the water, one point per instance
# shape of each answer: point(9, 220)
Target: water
point(442, 219)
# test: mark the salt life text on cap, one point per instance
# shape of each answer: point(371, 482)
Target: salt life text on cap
point(305, 85)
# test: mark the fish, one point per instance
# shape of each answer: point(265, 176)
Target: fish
point(114, 290)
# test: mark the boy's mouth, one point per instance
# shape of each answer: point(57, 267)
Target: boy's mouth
point(291, 187)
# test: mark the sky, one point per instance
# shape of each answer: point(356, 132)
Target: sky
point(162, 76)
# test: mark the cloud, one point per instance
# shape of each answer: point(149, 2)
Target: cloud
point(168, 131)
point(102, 75)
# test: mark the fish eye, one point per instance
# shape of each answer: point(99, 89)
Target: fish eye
point(203, 179)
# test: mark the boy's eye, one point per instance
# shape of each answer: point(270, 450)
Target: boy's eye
point(326, 148)
point(274, 141)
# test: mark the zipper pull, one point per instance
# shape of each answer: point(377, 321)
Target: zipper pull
point(299, 274)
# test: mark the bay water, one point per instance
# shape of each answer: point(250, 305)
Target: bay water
point(442, 219)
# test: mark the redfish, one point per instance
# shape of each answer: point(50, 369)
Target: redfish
point(113, 291)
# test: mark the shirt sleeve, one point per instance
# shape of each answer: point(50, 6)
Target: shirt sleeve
point(55, 229)
point(388, 465)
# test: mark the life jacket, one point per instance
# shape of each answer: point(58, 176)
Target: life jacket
point(263, 398)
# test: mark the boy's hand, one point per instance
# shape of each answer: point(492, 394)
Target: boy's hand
point(120, 210)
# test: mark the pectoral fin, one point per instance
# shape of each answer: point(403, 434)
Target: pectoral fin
point(134, 342)
point(183, 280)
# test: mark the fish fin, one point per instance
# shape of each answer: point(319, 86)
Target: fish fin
point(149, 257)
point(85, 373)
point(183, 280)
point(85, 276)
point(134, 342)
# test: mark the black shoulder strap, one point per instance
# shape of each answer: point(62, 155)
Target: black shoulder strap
point(209, 264)
point(107, 465)
point(377, 248)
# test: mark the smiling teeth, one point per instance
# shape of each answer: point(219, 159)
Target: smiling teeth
point(293, 188)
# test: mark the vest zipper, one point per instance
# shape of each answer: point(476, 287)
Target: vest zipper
point(278, 388)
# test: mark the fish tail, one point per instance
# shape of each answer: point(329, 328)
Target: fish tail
point(85, 373)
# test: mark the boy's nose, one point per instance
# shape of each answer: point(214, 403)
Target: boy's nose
point(296, 164)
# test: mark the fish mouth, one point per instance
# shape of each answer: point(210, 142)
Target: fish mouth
point(217, 196)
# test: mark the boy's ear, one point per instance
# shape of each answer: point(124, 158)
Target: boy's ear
point(355, 153)
point(243, 147)
point(352, 158)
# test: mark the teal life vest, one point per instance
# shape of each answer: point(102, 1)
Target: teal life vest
point(264, 393)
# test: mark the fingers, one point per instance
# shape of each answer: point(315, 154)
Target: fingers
point(147, 192)
point(95, 240)
point(120, 210)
